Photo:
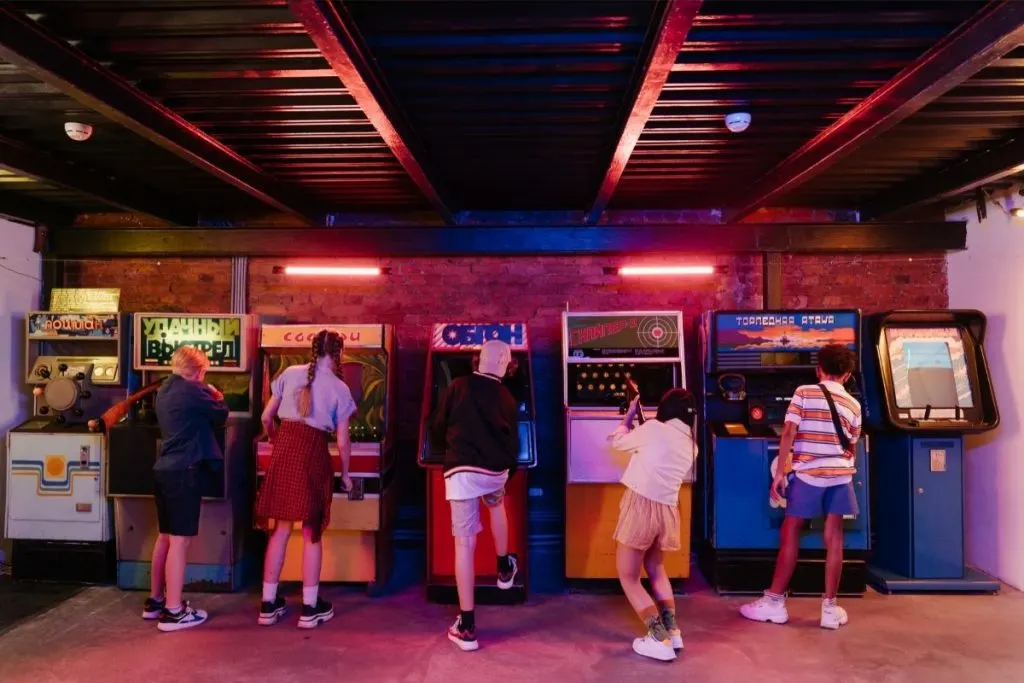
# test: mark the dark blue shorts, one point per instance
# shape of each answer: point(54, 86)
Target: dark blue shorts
point(809, 502)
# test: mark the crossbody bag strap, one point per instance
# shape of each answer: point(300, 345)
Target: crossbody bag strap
point(843, 439)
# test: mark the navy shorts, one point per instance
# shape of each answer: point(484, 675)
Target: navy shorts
point(806, 501)
point(178, 501)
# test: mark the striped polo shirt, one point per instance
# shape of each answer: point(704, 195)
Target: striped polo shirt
point(818, 456)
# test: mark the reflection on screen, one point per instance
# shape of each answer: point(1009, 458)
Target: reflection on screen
point(450, 366)
point(929, 368)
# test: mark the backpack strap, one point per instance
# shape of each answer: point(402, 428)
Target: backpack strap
point(843, 439)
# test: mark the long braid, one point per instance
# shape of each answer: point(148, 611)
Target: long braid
point(306, 392)
point(333, 347)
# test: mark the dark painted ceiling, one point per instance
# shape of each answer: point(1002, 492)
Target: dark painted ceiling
point(219, 110)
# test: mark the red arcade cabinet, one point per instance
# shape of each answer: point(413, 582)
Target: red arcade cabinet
point(454, 351)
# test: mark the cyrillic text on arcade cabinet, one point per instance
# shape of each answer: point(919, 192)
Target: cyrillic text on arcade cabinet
point(454, 352)
point(928, 386)
point(357, 544)
point(753, 363)
point(216, 556)
point(601, 353)
point(58, 515)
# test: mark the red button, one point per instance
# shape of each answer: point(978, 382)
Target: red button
point(756, 413)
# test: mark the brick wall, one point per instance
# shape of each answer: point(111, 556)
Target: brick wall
point(871, 283)
point(171, 285)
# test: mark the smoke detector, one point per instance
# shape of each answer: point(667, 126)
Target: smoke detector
point(737, 122)
point(79, 132)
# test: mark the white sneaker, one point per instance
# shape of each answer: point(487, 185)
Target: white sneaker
point(766, 610)
point(655, 649)
point(833, 616)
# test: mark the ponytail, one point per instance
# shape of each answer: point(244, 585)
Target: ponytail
point(325, 343)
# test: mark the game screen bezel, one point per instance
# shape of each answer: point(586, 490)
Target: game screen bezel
point(962, 373)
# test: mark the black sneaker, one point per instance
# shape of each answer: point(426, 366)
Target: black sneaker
point(314, 616)
point(507, 579)
point(153, 609)
point(271, 612)
point(464, 639)
point(186, 618)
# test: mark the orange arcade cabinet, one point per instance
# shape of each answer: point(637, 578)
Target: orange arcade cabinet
point(357, 545)
point(454, 352)
point(602, 352)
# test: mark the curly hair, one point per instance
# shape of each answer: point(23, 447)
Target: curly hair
point(325, 343)
point(835, 360)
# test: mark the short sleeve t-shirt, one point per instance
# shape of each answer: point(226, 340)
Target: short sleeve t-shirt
point(331, 402)
point(818, 456)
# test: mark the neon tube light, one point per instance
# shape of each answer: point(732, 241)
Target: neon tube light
point(340, 271)
point(667, 270)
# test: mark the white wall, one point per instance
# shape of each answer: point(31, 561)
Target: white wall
point(989, 277)
point(20, 286)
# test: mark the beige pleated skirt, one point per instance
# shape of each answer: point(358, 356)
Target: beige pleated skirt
point(644, 522)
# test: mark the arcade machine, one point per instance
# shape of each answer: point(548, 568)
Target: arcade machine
point(57, 511)
point(215, 561)
point(454, 352)
point(357, 546)
point(928, 385)
point(602, 352)
point(753, 363)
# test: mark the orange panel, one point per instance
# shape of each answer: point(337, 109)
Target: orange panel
point(441, 550)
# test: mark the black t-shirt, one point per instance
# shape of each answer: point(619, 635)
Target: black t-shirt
point(477, 426)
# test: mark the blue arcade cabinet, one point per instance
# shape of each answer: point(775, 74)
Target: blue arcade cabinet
point(753, 363)
point(927, 385)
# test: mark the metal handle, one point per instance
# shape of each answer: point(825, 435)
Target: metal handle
point(920, 491)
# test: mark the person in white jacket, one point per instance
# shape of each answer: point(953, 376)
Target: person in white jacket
point(663, 454)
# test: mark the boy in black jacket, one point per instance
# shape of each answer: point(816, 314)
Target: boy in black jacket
point(477, 427)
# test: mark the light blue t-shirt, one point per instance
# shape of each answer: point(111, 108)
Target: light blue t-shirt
point(331, 398)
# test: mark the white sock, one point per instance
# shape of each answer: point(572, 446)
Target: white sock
point(309, 594)
point(269, 592)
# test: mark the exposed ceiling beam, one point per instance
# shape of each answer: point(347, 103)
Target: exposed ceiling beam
point(983, 39)
point(407, 241)
point(18, 206)
point(334, 33)
point(668, 40)
point(116, 192)
point(31, 47)
point(975, 171)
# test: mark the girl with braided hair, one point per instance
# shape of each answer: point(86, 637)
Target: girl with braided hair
point(312, 402)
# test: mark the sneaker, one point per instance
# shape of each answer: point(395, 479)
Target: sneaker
point(505, 580)
point(649, 646)
point(186, 618)
point(465, 639)
point(271, 612)
point(153, 609)
point(314, 616)
point(767, 610)
point(833, 616)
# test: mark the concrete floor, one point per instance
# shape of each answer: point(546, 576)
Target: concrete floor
point(97, 635)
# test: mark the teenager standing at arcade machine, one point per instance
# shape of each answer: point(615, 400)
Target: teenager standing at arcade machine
point(477, 428)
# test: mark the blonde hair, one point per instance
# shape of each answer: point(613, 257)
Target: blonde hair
point(188, 361)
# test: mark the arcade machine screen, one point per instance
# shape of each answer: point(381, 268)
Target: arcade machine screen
point(234, 386)
point(929, 371)
point(365, 373)
point(450, 366)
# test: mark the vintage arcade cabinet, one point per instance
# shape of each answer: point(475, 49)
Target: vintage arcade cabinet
point(57, 511)
point(753, 363)
point(601, 351)
point(928, 385)
point(454, 352)
point(215, 560)
point(357, 546)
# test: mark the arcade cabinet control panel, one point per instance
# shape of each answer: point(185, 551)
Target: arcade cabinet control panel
point(102, 370)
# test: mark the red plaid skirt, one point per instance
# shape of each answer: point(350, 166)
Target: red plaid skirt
point(299, 483)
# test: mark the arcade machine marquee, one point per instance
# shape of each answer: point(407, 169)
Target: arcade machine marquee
point(357, 545)
point(57, 511)
point(601, 351)
point(454, 352)
point(216, 554)
point(930, 386)
point(753, 363)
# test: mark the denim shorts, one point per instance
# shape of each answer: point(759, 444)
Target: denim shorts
point(809, 502)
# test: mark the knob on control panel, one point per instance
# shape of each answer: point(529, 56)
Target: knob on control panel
point(63, 367)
